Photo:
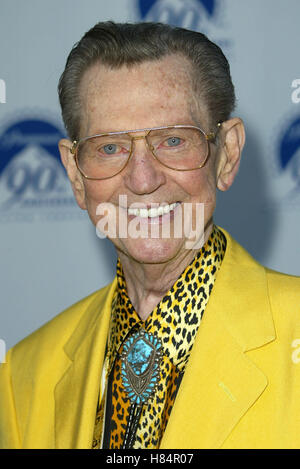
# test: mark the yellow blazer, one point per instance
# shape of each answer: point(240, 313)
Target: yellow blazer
point(241, 388)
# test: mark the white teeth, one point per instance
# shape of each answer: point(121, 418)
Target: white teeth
point(152, 212)
point(143, 212)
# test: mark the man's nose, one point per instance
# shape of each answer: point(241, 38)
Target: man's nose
point(143, 174)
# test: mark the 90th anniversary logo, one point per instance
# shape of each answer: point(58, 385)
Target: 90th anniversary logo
point(289, 162)
point(186, 13)
point(206, 16)
point(33, 182)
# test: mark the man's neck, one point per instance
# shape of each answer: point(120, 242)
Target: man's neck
point(147, 284)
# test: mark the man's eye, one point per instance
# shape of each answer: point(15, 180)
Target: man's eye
point(110, 149)
point(173, 142)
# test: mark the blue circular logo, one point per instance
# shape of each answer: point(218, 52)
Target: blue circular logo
point(182, 13)
point(289, 150)
point(285, 172)
point(31, 173)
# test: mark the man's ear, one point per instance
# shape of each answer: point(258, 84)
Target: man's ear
point(74, 175)
point(232, 142)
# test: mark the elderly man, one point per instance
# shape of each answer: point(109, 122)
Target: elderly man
point(194, 344)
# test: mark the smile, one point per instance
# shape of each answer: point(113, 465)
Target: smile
point(152, 212)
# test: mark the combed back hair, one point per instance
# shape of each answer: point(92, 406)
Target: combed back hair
point(118, 44)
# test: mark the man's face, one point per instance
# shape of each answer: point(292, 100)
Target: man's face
point(148, 95)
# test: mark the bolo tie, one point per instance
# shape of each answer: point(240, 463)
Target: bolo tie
point(140, 373)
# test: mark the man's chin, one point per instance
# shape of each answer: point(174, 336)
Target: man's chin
point(151, 251)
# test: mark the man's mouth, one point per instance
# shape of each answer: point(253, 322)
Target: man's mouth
point(153, 212)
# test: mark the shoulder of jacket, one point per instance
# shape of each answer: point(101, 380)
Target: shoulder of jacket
point(284, 297)
point(281, 283)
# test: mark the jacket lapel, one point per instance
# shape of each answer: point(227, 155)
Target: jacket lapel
point(221, 382)
point(77, 392)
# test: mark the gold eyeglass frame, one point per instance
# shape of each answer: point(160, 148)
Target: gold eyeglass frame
point(210, 137)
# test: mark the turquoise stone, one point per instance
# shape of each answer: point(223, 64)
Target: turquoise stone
point(139, 356)
point(139, 371)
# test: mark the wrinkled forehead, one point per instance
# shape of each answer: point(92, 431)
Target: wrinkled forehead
point(149, 94)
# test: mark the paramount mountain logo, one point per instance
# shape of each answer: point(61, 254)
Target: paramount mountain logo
point(33, 182)
point(284, 172)
point(185, 13)
point(206, 16)
point(289, 156)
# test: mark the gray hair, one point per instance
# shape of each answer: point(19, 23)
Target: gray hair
point(117, 44)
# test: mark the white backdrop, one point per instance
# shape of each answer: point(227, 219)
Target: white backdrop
point(50, 254)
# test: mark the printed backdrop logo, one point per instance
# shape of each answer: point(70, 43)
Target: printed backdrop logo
point(33, 182)
point(185, 13)
point(286, 183)
point(206, 16)
point(289, 153)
